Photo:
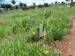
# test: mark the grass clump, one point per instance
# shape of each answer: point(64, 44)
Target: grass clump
point(22, 28)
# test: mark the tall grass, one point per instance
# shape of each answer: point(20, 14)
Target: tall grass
point(20, 30)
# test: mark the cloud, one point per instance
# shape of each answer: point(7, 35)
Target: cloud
point(30, 2)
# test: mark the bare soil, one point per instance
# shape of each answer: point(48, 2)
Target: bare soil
point(67, 46)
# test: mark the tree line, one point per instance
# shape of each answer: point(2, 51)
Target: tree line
point(24, 6)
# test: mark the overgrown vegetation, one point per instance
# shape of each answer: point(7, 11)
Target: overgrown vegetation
point(19, 35)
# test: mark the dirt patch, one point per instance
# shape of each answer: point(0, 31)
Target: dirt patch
point(2, 22)
point(67, 46)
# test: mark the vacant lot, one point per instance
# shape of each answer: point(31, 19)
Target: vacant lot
point(19, 31)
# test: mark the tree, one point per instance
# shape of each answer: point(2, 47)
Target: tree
point(63, 3)
point(13, 2)
point(71, 4)
point(69, 0)
point(56, 3)
point(34, 5)
point(3, 6)
point(24, 7)
point(46, 4)
point(16, 7)
point(40, 6)
point(8, 6)
point(21, 4)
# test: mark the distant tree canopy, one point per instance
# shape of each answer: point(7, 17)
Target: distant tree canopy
point(21, 4)
point(63, 3)
point(34, 4)
point(6, 6)
point(3, 6)
point(46, 4)
point(56, 2)
point(13, 2)
point(70, 0)
point(16, 7)
point(67, 0)
point(72, 3)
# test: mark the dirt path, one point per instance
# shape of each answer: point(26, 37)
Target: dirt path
point(72, 35)
point(69, 50)
point(67, 46)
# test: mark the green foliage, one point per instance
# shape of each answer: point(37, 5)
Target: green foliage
point(13, 1)
point(26, 25)
point(21, 30)
point(2, 31)
point(19, 48)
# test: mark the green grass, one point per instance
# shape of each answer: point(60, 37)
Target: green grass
point(19, 28)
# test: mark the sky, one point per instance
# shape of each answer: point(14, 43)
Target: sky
point(30, 2)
